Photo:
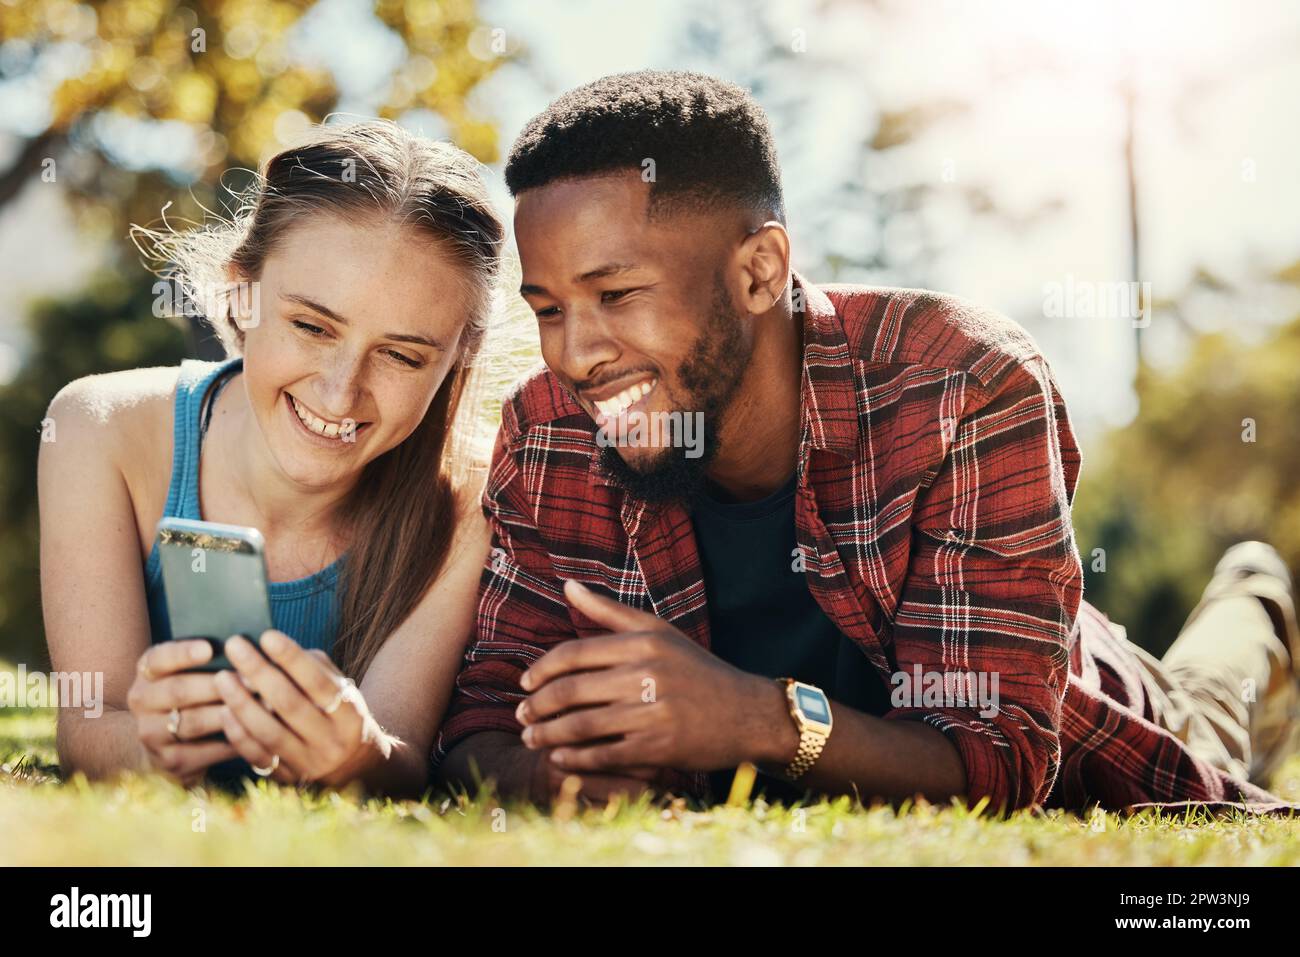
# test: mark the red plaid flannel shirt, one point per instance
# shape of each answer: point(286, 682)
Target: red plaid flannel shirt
point(936, 472)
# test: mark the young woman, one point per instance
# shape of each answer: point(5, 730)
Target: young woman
point(372, 254)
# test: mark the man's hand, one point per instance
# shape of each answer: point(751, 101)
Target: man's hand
point(548, 781)
point(518, 772)
point(647, 696)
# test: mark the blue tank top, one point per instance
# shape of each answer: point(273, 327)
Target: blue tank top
point(305, 609)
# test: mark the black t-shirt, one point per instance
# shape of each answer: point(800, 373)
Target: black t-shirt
point(762, 617)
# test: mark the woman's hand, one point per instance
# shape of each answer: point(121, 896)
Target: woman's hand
point(307, 722)
point(175, 709)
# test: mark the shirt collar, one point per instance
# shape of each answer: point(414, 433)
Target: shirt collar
point(829, 396)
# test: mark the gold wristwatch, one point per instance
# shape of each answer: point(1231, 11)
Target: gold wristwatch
point(811, 711)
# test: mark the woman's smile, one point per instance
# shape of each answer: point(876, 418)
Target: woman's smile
point(326, 433)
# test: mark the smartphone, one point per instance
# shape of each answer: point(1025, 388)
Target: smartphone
point(214, 578)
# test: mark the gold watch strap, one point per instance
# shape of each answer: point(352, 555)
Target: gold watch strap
point(811, 740)
point(810, 749)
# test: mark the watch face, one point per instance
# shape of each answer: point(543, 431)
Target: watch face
point(813, 704)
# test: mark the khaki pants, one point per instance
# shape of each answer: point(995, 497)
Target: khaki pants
point(1227, 687)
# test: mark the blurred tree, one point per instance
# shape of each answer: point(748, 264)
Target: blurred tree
point(135, 104)
point(876, 214)
point(1160, 499)
point(218, 83)
point(108, 326)
point(1212, 460)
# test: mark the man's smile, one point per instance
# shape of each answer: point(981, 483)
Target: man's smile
point(616, 399)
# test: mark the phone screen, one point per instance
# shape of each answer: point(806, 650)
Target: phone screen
point(214, 577)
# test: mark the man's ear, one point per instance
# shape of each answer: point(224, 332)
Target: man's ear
point(764, 267)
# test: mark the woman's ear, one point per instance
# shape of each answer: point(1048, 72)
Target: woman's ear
point(765, 267)
point(242, 300)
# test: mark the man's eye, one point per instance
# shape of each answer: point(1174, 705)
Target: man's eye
point(308, 328)
point(547, 312)
point(613, 295)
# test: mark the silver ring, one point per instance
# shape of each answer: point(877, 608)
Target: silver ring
point(174, 723)
point(267, 772)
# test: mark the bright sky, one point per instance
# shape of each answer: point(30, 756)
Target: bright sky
point(1217, 139)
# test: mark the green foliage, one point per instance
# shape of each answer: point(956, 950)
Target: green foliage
point(222, 80)
point(218, 78)
point(1165, 496)
point(108, 327)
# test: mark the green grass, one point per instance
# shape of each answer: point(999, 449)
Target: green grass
point(146, 820)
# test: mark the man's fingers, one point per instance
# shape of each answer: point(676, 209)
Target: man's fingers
point(608, 757)
point(586, 726)
point(580, 690)
point(606, 611)
point(602, 787)
point(641, 773)
point(583, 654)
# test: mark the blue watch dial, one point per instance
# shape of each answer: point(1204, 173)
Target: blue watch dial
point(813, 704)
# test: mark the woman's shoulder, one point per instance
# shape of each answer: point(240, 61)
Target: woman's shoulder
point(114, 409)
point(120, 421)
point(111, 432)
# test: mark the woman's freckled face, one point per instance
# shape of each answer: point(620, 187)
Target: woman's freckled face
point(358, 326)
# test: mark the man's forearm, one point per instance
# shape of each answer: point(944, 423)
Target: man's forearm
point(864, 754)
point(389, 767)
point(490, 755)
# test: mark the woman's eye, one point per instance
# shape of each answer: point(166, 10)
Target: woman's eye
point(404, 359)
point(308, 328)
point(548, 312)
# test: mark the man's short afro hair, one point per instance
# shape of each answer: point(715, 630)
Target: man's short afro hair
point(710, 141)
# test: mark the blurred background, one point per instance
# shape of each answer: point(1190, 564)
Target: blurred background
point(1119, 177)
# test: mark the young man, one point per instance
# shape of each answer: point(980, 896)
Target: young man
point(728, 475)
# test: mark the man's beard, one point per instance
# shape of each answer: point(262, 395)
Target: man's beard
point(711, 378)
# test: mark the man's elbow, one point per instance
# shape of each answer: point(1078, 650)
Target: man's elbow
point(483, 759)
point(1009, 770)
